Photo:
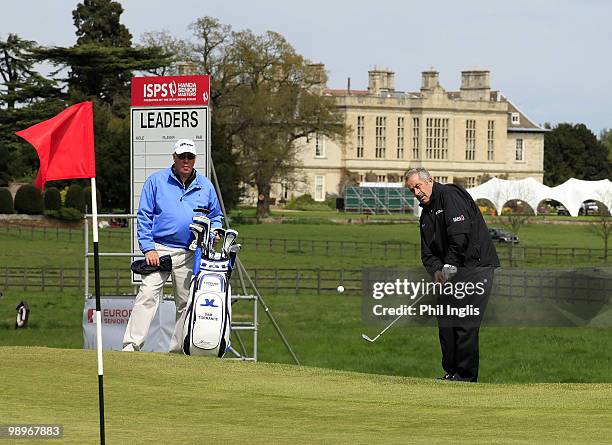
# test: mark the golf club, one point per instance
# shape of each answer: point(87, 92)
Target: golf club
point(228, 241)
point(372, 340)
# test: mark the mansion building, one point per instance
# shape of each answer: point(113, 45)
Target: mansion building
point(459, 136)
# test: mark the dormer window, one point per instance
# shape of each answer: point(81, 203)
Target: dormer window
point(515, 118)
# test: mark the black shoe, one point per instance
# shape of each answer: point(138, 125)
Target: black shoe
point(458, 378)
point(445, 377)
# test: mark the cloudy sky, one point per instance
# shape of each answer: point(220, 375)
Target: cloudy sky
point(550, 57)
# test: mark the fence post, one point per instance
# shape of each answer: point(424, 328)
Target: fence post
point(327, 247)
point(117, 280)
point(318, 281)
point(6, 276)
point(276, 280)
point(297, 281)
point(270, 244)
point(285, 245)
point(62, 279)
point(25, 280)
point(42, 279)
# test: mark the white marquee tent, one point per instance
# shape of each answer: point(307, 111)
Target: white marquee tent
point(572, 193)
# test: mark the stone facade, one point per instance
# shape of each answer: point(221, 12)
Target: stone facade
point(459, 135)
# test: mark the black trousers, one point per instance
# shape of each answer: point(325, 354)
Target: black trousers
point(460, 353)
point(459, 336)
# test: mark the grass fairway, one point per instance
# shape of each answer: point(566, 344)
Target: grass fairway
point(160, 398)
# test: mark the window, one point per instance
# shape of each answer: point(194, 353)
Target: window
point(415, 137)
point(470, 182)
point(519, 150)
point(400, 138)
point(470, 140)
point(490, 139)
point(381, 178)
point(515, 118)
point(284, 189)
point(319, 141)
point(436, 138)
point(381, 136)
point(360, 135)
point(441, 179)
point(319, 192)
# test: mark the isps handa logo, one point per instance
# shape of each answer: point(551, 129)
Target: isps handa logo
point(156, 90)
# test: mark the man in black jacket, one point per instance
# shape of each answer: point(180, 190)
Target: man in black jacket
point(457, 251)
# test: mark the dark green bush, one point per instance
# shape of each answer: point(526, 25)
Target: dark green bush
point(29, 200)
point(87, 198)
point(74, 198)
point(306, 202)
point(65, 214)
point(6, 201)
point(53, 199)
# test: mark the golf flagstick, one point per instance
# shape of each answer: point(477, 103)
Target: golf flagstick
point(94, 208)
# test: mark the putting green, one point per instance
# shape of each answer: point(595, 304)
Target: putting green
point(162, 398)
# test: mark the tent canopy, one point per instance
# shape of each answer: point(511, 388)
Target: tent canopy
point(572, 193)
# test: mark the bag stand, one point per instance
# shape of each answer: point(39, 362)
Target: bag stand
point(249, 292)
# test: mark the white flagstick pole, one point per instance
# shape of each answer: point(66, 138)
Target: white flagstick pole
point(94, 208)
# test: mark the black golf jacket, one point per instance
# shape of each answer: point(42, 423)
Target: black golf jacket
point(453, 231)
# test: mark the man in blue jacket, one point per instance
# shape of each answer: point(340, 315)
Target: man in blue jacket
point(166, 209)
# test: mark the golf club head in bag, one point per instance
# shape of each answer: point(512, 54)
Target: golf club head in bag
point(200, 227)
point(229, 240)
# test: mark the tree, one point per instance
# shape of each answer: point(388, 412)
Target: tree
point(101, 63)
point(26, 97)
point(602, 227)
point(21, 83)
point(605, 137)
point(572, 150)
point(265, 100)
point(100, 67)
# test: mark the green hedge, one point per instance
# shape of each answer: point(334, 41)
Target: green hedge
point(6, 201)
point(74, 198)
point(53, 199)
point(87, 198)
point(29, 200)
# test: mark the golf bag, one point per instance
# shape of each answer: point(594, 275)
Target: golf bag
point(209, 309)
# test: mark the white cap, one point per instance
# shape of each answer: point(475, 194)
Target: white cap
point(185, 146)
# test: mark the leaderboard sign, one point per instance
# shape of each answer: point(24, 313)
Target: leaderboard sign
point(165, 109)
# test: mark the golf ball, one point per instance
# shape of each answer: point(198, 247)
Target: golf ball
point(340, 288)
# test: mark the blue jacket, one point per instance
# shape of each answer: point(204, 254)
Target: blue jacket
point(166, 209)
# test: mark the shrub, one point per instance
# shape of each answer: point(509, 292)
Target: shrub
point(29, 200)
point(53, 200)
point(65, 214)
point(74, 198)
point(305, 202)
point(6, 201)
point(87, 198)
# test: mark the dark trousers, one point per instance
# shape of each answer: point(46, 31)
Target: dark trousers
point(460, 351)
point(459, 336)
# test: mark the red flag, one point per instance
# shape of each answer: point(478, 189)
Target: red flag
point(65, 144)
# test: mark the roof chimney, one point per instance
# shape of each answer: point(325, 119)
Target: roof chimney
point(429, 80)
point(380, 80)
point(476, 85)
